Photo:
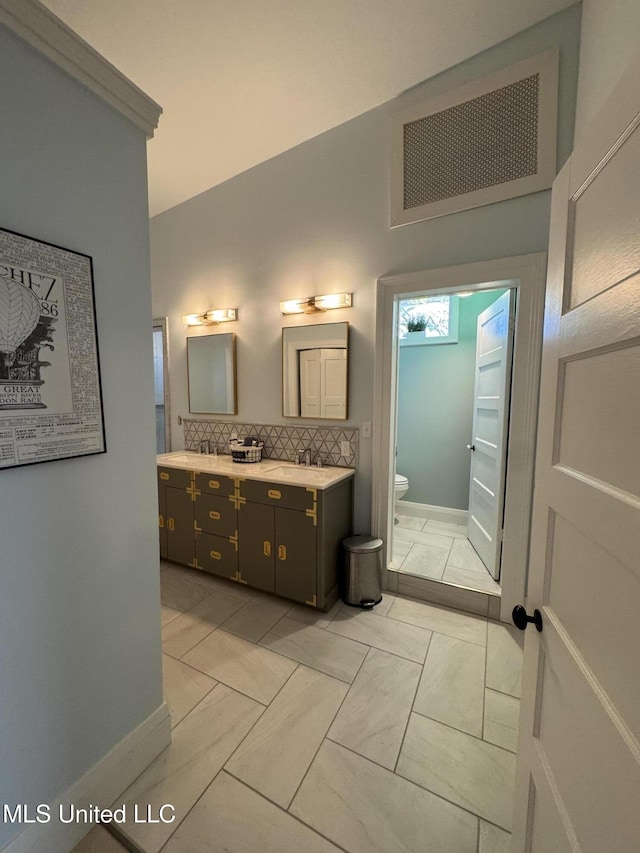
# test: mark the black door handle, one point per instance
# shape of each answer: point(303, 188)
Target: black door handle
point(521, 618)
point(471, 447)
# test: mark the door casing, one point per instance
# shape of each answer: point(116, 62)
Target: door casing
point(527, 274)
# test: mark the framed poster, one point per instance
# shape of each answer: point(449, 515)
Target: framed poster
point(50, 393)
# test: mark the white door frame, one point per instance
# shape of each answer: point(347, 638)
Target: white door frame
point(527, 274)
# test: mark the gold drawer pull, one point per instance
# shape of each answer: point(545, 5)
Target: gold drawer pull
point(282, 552)
point(164, 475)
point(171, 524)
point(275, 494)
point(161, 521)
point(214, 484)
point(216, 555)
point(266, 547)
point(214, 515)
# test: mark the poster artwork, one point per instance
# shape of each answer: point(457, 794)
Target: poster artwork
point(50, 399)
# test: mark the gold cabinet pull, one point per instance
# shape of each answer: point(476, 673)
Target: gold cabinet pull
point(266, 547)
point(164, 475)
point(214, 484)
point(161, 521)
point(171, 524)
point(282, 552)
point(275, 494)
point(214, 515)
point(216, 555)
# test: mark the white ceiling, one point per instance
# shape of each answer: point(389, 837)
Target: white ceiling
point(243, 80)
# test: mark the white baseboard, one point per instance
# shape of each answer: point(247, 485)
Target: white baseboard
point(433, 513)
point(101, 786)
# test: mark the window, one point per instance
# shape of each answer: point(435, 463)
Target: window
point(428, 320)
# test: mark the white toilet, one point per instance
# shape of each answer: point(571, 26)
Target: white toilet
point(401, 489)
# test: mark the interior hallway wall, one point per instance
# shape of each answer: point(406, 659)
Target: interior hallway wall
point(79, 607)
point(315, 220)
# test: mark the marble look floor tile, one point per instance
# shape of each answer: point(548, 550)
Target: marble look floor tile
point(183, 687)
point(504, 658)
point(493, 839)
point(401, 547)
point(373, 717)
point(168, 614)
point(200, 746)
point(441, 593)
point(501, 719)
point(444, 528)
point(409, 522)
point(384, 607)
point(257, 617)
point(396, 562)
point(390, 635)
point(277, 752)
point(317, 648)
point(365, 808)
point(426, 561)
point(421, 537)
point(311, 616)
point(99, 840)
point(183, 633)
point(240, 664)
point(476, 775)
point(452, 684)
point(178, 591)
point(210, 583)
point(230, 817)
point(463, 626)
point(464, 556)
point(474, 580)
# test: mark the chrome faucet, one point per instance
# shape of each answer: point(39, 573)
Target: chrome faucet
point(205, 446)
point(303, 454)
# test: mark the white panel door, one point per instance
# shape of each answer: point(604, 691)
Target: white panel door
point(310, 394)
point(333, 368)
point(494, 348)
point(578, 777)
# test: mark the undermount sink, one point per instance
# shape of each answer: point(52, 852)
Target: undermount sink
point(301, 473)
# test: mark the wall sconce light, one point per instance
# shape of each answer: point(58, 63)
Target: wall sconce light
point(313, 304)
point(211, 318)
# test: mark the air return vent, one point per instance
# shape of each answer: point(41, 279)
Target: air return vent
point(487, 141)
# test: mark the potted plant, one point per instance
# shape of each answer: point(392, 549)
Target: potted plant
point(416, 325)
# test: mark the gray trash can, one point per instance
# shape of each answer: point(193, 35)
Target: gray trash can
point(362, 577)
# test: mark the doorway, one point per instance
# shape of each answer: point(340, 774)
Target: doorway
point(452, 404)
point(161, 384)
point(525, 277)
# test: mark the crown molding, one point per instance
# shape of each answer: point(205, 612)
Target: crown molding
point(44, 31)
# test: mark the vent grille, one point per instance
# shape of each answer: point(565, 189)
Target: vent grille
point(483, 142)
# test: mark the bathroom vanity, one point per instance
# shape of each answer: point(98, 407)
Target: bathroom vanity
point(271, 525)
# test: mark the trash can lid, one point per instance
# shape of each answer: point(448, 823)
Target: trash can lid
point(362, 544)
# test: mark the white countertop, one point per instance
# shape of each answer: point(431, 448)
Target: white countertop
point(269, 470)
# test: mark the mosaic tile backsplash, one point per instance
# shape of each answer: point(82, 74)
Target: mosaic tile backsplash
point(280, 441)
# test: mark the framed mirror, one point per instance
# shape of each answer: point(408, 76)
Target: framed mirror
point(315, 369)
point(211, 371)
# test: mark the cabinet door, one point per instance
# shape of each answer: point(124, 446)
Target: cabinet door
point(180, 530)
point(296, 556)
point(217, 555)
point(256, 545)
point(162, 520)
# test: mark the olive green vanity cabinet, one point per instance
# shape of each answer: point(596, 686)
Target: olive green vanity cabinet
point(280, 538)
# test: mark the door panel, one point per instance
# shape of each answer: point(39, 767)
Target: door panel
point(216, 515)
point(490, 419)
point(180, 530)
point(256, 545)
point(580, 721)
point(217, 555)
point(296, 556)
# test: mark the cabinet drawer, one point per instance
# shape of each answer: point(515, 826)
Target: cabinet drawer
point(215, 514)
point(176, 477)
point(278, 494)
point(217, 555)
point(214, 484)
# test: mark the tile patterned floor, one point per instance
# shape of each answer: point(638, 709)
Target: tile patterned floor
point(439, 551)
point(391, 731)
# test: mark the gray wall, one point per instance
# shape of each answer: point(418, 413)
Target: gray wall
point(316, 220)
point(79, 604)
point(435, 412)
